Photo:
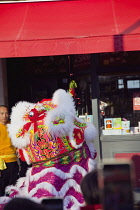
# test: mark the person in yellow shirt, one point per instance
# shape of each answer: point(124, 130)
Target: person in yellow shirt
point(8, 160)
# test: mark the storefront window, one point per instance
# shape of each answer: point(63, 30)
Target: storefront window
point(121, 94)
point(119, 83)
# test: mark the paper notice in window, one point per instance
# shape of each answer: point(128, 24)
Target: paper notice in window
point(136, 101)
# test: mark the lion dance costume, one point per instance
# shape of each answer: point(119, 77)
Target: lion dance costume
point(59, 146)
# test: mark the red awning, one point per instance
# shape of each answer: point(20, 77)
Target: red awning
point(69, 27)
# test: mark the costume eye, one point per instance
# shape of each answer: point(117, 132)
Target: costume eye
point(31, 114)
